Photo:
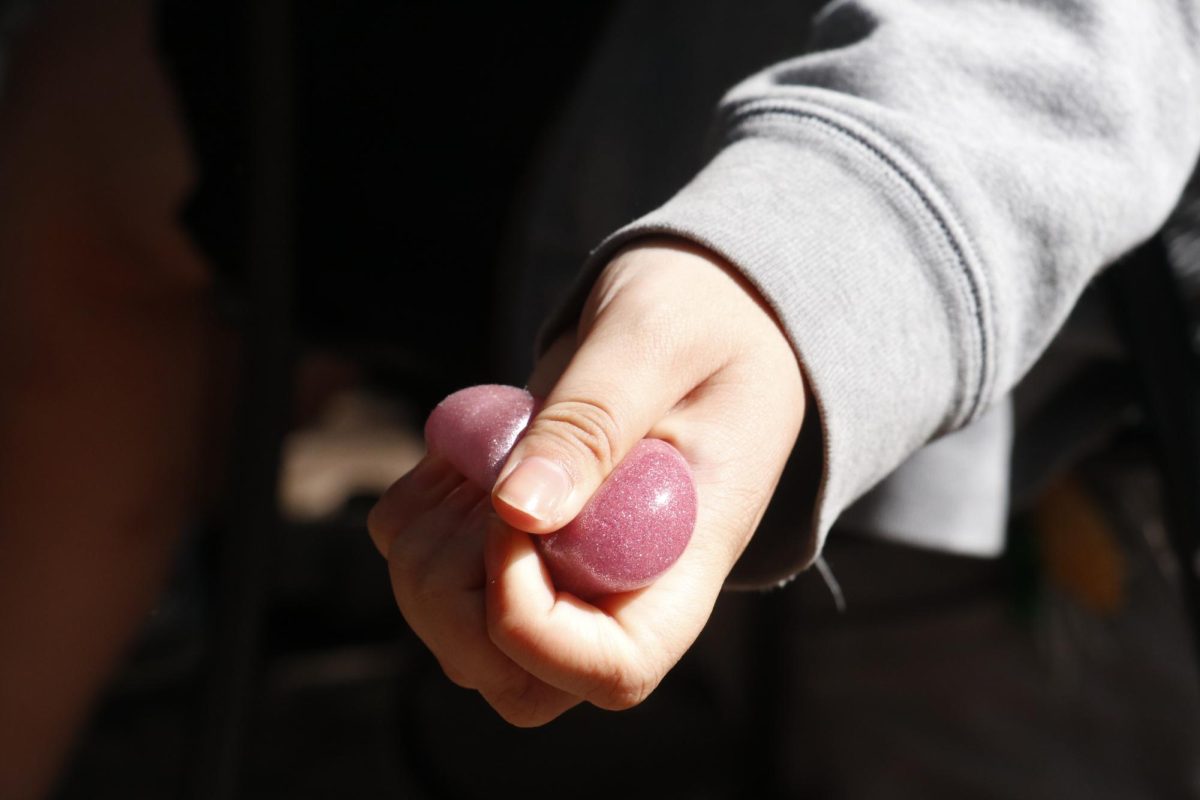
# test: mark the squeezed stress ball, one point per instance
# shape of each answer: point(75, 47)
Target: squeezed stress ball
point(636, 525)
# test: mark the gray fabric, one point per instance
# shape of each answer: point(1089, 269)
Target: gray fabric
point(924, 196)
point(951, 495)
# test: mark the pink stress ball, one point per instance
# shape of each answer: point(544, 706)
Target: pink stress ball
point(636, 525)
point(474, 429)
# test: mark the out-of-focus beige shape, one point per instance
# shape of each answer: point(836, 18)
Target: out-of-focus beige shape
point(360, 445)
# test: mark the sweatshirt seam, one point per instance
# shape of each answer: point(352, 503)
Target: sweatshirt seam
point(934, 211)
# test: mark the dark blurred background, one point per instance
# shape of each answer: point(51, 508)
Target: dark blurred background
point(441, 181)
point(416, 128)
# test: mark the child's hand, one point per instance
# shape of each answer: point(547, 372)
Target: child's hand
point(430, 525)
point(675, 345)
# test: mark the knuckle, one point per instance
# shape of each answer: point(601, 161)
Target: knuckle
point(417, 593)
point(516, 704)
point(418, 568)
point(429, 590)
point(373, 521)
point(401, 573)
point(519, 716)
point(377, 526)
point(588, 427)
point(456, 676)
point(622, 690)
point(510, 633)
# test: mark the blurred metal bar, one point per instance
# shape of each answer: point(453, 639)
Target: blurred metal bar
point(250, 518)
point(1149, 305)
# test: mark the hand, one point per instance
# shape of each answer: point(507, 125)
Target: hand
point(674, 344)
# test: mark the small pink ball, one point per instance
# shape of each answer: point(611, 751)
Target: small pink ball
point(634, 528)
point(475, 429)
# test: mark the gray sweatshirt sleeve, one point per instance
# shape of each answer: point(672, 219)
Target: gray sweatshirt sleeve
point(923, 197)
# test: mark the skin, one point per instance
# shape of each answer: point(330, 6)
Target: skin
point(107, 353)
point(673, 343)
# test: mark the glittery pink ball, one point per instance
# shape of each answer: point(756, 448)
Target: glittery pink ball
point(634, 528)
point(636, 525)
point(474, 429)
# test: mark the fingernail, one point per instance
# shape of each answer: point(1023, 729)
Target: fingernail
point(538, 486)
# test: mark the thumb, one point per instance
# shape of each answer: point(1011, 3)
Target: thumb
point(628, 373)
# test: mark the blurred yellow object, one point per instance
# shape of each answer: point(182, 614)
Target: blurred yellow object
point(1078, 547)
